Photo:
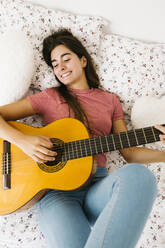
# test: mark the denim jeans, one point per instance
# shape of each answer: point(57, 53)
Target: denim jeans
point(110, 213)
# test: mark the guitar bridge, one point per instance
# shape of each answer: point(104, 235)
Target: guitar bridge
point(6, 165)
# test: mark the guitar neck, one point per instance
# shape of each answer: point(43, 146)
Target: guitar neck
point(107, 143)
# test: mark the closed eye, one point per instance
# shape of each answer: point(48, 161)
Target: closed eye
point(65, 60)
point(55, 66)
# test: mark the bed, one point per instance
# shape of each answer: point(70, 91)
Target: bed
point(126, 67)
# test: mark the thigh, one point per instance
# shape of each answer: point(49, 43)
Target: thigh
point(98, 195)
point(62, 220)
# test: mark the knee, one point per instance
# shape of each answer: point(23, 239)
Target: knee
point(142, 176)
point(48, 202)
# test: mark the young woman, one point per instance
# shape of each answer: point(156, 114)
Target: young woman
point(113, 209)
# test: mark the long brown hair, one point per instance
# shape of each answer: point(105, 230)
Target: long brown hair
point(66, 38)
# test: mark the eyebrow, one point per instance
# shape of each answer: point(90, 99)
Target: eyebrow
point(62, 55)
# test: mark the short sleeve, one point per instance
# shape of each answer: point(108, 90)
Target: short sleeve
point(118, 112)
point(39, 102)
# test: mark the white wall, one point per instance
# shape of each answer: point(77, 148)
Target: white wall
point(140, 19)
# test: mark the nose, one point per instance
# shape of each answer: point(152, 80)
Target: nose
point(62, 66)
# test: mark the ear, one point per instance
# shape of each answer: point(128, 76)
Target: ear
point(83, 61)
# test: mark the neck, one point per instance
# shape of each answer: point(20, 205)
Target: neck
point(81, 84)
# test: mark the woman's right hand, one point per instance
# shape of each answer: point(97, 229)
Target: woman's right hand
point(38, 147)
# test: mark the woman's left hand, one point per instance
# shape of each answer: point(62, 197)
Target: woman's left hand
point(162, 136)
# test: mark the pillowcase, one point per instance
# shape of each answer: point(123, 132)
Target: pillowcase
point(17, 66)
point(39, 22)
point(131, 68)
point(148, 111)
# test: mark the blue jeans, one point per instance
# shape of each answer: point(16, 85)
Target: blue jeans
point(110, 213)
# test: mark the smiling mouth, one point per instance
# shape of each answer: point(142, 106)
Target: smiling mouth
point(65, 75)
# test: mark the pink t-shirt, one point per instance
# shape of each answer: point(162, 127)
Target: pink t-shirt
point(102, 108)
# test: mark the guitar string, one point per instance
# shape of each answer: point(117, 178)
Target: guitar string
point(104, 143)
point(72, 153)
point(87, 153)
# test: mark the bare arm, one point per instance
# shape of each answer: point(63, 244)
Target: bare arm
point(12, 112)
point(38, 147)
point(138, 154)
point(17, 110)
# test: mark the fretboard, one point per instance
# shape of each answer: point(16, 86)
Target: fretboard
point(107, 143)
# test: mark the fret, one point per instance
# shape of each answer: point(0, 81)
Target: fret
point(79, 148)
point(157, 133)
point(66, 154)
point(140, 136)
point(95, 145)
point(63, 152)
point(124, 139)
point(149, 135)
point(86, 153)
point(90, 147)
point(105, 144)
point(153, 133)
point(74, 148)
point(121, 141)
point(117, 141)
point(136, 137)
point(144, 135)
point(101, 144)
point(82, 148)
point(132, 138)
point(76, 145)
point(113, 142)
point(110, 141)
point(71, 151)
point(128, 139)
point(106, 140)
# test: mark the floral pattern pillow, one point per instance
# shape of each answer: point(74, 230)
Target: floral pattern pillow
point(131, 68)
point(38, 22)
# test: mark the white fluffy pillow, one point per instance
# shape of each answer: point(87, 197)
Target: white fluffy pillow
point(148, 111)
point(16, 66)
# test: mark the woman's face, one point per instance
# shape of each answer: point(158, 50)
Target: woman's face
point(68, 67)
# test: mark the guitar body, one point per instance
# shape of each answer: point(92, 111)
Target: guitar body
point(23, 181)
point(29, 182)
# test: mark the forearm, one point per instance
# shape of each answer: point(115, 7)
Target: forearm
point(143, 155)
point(8, 132)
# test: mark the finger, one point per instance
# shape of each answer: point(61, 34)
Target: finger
point(44, 157)
point(46, 142)
point(37, 159)
point(46, 151)
point(162, 138)
point(160, 128)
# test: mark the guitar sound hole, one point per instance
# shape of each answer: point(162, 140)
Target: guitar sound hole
point(56, 161)
point(57, 164)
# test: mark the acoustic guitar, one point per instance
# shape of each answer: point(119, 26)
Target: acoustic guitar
point(25, 181)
